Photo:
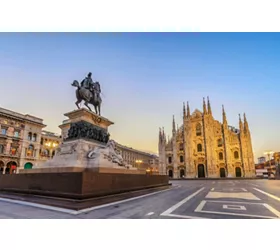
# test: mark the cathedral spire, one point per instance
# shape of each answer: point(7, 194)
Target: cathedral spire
point(246, 126)
point(204, 107)
point(240, 124)
point(173, 125)
point(184, 111)
point(160, 135)
point(209, 106)
point(188, 110)
point(224, 116)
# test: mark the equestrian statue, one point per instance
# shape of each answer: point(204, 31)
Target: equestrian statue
point(89, 92)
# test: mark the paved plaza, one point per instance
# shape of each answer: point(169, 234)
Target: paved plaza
point(210, 199)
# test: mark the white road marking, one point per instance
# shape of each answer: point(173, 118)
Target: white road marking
point(200, 206)
point(239, 202)
point(36, 205)
point(199, 209)
point(272, 210)
point(74, 212)
point(151, 213)
point(216, 195)
point(254, 185)
point(268, 194)
point(244, 215)
point(212, 189)
point(244, 189)
point(234, 207)
point(183, 216)
point(171, 209)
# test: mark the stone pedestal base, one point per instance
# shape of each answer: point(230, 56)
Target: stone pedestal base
point(79, 185)
point(70, 169)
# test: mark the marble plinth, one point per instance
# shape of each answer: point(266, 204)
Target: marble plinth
point(86, 144)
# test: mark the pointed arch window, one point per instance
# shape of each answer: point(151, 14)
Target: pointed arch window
point(181, 146)
point(199, 147)
point(181, 158)
point(170, 159)
point(220, 142)
point(221, 156)
point(198, 129)
point(236, 155)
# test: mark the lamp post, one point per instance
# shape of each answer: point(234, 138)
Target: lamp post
point(51, 146)
point(269, 153)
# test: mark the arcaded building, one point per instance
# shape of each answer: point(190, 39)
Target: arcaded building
point(206, 148)
point(23, 143)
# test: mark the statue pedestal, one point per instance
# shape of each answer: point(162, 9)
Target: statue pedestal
point(85, 116)
point(83, 133)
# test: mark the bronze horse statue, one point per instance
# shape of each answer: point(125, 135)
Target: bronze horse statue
point(89, 96)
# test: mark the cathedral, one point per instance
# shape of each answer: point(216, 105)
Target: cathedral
point(205, 148)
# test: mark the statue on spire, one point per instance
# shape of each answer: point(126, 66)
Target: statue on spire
point(188, 110)
point(209, 106)
point(204, 106)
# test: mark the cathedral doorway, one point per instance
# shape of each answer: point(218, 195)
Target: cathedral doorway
point(200, 171)
point(238, 172)
point(182, 173)
point(222, 172)
point(170, 173)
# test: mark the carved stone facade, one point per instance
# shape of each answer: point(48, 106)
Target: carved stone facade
point(205, 148)
point(20, 137)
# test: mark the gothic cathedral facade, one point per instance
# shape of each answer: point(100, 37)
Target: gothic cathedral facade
point(205, 148)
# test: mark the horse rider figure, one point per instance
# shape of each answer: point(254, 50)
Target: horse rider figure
point(87, 82)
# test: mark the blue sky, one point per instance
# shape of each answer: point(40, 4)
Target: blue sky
point(145, 78)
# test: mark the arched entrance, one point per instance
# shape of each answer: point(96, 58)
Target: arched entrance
point(170, 173)
point(182, 173)
point(222, 172)
point(2, 166)
point(238, 172)
point(200, 171)
point(28, 165)
point(11, 167)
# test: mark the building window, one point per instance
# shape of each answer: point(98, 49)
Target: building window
point(169, 159)
point(236, 155)
point(220, 143)
point(30, 151)
point(42, 141)
point(198, 129)
point(221, 156)
point(181, 158)
point(3, 131)
point(181, 146)
point(29, 136)
point(199, 148)
point(34, 137)
point(16, 134)
point(2, 149)
point(13, 151)
point(46, 153)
